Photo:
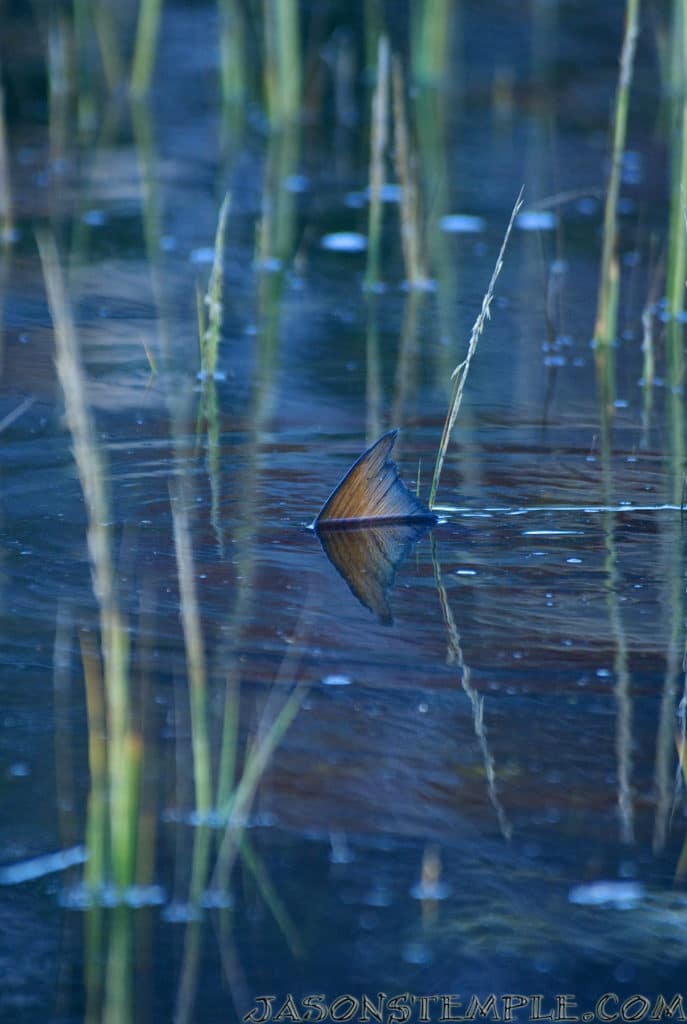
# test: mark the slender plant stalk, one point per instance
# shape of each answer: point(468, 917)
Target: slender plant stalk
point(6, 206)
point(124, 748)
point(213, 300)
point(410, 210)
point(96, 812)
point(677, 240)
point(460, 374)
point(607, 307)
point(145, 48)
point(282, 60)
point(430, 38)
point(378, 144)
point(232, 43)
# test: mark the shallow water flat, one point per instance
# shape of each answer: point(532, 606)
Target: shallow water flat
point(459, 773)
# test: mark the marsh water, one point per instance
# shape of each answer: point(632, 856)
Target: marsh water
point(478, 792)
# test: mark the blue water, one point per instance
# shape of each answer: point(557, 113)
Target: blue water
point(483, 796)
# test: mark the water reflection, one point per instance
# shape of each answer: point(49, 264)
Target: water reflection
point(368, 557)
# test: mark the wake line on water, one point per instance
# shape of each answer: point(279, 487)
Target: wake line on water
point(506, 510)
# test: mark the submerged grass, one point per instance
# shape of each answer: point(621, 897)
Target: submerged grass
point(460, 374)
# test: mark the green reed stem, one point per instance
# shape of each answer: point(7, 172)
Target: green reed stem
point(124, 747)
point(232, 49)
point(6, 206)
point(96, 811)
point(210, 339)
point(145, 48)
point(430, 36)
point(460, 374)
point(677, 238)
point(195, 656)
point(230, 733)
point(282, 60)
point(607, 307)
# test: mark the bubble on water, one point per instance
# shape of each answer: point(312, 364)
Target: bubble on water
point(297, 183)
point(144, 896)
point(430, 891)
point(462, 224)
point(94, 218)
point(205, 254)
point(389, 192)
point(536, 220)
point(587, 206)
point(620, 895)
point(216, 899)
point(180, 913)
point(344, 241)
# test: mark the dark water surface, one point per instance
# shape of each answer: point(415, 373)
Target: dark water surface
point(482, 796)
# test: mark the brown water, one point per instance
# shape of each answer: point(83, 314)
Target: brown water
point(514, 728)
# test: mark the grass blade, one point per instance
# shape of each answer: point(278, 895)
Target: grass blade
point(460, 374)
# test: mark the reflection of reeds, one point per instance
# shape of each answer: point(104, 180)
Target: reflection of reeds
point(195, 655)
point(623, 681)
point(455, 655)
point(407, 360)
point(460, 374)
point(675, 430)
